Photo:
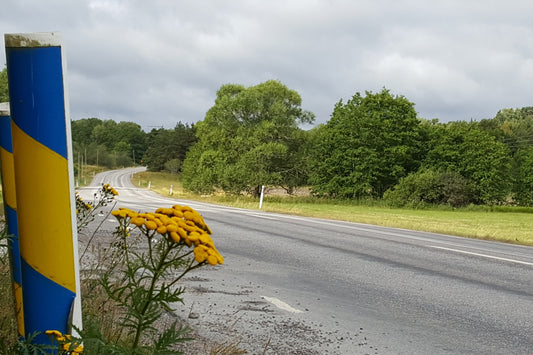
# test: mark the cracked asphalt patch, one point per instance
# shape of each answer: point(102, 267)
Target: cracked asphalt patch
point(228, 312)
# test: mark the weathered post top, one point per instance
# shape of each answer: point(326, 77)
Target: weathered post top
point(38, 39)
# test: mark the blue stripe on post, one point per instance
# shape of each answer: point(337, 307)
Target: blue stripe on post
point(5, 134)
point(12, 227)
point(47, 305)
point(40, 113)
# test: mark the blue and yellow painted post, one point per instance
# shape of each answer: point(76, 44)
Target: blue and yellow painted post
point(44, 181)
point(10, 209)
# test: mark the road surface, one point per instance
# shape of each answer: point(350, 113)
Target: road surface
point(295, 285)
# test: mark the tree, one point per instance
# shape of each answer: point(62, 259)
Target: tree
point(132, 134)
point(4, 92)
point(106, 133)
point(173, 166)
point(249, 138)
point(107, 143)
point(366, 147)
point(165, 145)
point(465, 149)
point(523, 171)
point(516, 126)
point(82, 130)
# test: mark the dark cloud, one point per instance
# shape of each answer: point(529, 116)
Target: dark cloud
point(160, 62)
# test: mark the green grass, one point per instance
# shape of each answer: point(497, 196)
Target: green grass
point(160, 183)
point(507, 227)
point(504, 224)
point(8, 320)
point(85, 176)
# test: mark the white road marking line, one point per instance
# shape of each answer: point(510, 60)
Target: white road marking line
point(260, 216)
point(482, 255)
point(360, 227)
point(281, 305)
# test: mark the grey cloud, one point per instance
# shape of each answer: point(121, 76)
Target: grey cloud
point(159, 62)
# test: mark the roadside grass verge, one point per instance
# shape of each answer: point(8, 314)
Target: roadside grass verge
point(8, 320)
point(503, 224)
point(510, 227)
point(85, 176)
point(161, 183)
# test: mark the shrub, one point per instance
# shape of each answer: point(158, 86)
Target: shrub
point(428, 186)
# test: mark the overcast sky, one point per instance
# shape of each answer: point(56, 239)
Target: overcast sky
point(157, 62)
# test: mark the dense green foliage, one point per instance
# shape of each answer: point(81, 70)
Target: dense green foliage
point(107, 143)
point(111, 144)
point(4, 92)
point(465, 149)
point(366, 147)
point(429, 186)
point(249, 138)
point(523, 175)
point(166, 149)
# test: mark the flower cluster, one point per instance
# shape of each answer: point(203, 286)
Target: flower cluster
point(82, 206)
point(67, 346)
point(181, 224)
point(86, 211)
point(110, 189)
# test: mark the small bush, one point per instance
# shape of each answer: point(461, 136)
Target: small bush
point(428, 186)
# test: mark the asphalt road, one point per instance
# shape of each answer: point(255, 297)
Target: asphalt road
point(294, 285)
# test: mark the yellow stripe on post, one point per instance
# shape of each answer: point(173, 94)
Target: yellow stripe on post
point(49, 251)
point(8, 178)
point(17, 288)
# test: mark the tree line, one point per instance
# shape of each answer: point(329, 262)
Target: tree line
point(373, 146)
point(110, 144)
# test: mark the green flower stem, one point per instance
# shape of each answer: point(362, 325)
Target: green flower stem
point(94, 233)
point(157, 272)
point(150, 252)
point(189, 268)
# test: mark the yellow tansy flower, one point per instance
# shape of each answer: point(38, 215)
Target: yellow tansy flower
point(175, 237)
point(182, 233)
point(138, 221)
point(194, 236)
point(212, 260)
point(55, 333)
point(172, 227)
point(150, 225)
